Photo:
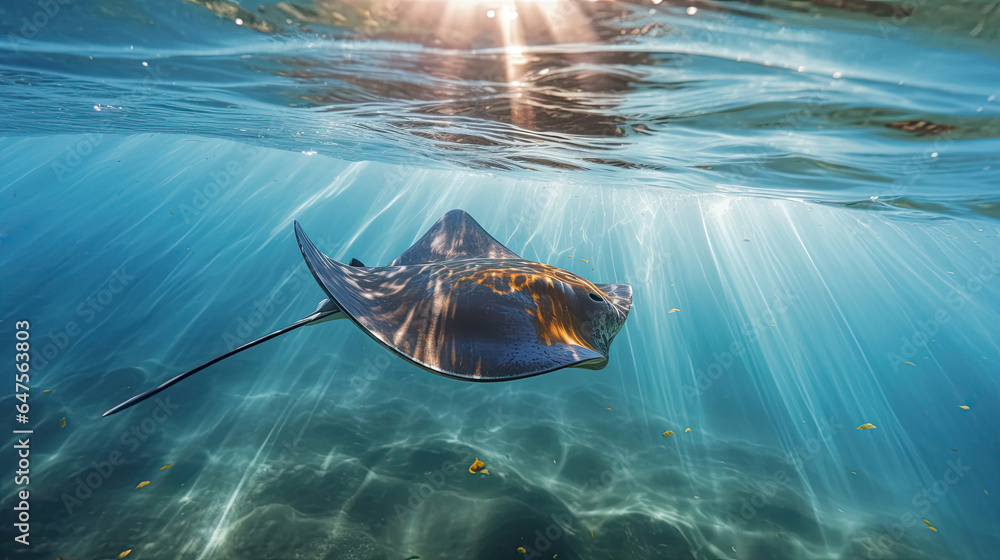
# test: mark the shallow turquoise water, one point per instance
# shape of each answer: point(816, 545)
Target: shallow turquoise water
point(813, 189)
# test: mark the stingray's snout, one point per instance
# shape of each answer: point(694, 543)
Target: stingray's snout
point(605, 326)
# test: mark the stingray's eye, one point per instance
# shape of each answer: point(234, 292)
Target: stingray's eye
point(596, 297)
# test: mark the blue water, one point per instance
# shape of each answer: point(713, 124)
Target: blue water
point(804, 197)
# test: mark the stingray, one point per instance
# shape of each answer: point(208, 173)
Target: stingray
point(459, 304)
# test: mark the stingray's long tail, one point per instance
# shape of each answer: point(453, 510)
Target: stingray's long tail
point(325, 311)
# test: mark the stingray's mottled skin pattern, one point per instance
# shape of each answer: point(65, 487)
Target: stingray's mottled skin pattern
point(491, 317)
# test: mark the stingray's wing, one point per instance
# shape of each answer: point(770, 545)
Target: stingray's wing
point(459, 329)
point(455, 236)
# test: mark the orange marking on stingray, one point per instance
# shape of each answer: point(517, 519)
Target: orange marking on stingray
point(552, 316)
point(554, 322)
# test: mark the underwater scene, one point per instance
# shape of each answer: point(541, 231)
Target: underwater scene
point(512, 279)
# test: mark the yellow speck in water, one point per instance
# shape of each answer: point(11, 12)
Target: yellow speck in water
point(668, 433)
point(609, 409)
point(584, 260)
point(697, 498)
point(521, 549)
point(929, 526)
point(47, 391)
point(62, 423)
point(674, 310)
point(687, 431)
point(571, 256)
point(591, 534)
point(854, 473)
point(478, 466)
point(963, 407)
point(987, 492)
point(866, 426)
point(167, 466)
point(912, 364)
point(143, 483)
point(124, 554)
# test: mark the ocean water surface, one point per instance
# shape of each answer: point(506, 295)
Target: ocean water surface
point(804, 197)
